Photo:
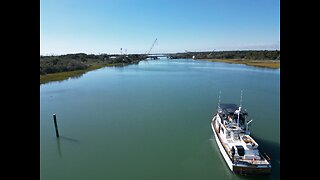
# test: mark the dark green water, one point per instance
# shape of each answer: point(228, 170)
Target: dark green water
point(152, 120)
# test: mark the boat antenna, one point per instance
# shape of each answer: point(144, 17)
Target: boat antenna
point(239, 108)
point(219, 99)
point(241, 99)
point(248, 124)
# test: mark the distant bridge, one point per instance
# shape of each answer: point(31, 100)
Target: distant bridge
point(156, 56)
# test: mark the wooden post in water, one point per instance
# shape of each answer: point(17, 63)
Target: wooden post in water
point(55, 125)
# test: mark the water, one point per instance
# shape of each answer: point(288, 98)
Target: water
point(152, 120)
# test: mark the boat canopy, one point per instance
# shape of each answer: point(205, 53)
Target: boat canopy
point(229, 108)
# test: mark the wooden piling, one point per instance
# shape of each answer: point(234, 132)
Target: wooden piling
point(55, 124)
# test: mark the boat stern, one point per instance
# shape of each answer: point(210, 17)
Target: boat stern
point(251, 171)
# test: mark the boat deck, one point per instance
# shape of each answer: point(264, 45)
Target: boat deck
point(254, 162)
point(228, 143)
point(237, 147)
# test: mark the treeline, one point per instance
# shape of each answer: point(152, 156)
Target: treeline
point(244, 55)
point(80, 61)
point(71, 62)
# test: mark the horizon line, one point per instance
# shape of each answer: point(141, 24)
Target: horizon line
point(57, 54)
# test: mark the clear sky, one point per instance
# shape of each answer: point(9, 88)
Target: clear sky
point(106, 26)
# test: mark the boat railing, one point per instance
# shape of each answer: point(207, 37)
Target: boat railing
point(265, 156)
point(251, 162)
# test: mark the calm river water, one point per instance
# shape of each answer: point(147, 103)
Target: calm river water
point(152, 120)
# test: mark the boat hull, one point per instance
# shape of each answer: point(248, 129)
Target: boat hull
point(221, 149)
point(238, 168)
point(251, 170)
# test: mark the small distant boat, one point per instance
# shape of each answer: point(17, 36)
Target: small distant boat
point(239, 150)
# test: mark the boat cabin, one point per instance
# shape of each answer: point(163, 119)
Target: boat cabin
point(231, 116)
point(233, 129)
point(238, 148)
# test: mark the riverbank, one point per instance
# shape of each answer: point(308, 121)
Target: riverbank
point(275, 64)
point(58, 68)
point(60, 76)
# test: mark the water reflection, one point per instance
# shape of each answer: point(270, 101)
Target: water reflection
point(272, 149)
point(77, 76)
point(67, 139)
point(59, 147)
point(102, 152)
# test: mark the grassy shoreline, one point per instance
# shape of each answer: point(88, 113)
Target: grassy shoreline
point(274, 64)
point(60, 76)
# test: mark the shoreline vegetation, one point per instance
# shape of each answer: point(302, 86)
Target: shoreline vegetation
point(274, 64)
point(265, 59)
point(62, 67)
point(59, 76)
point(58, 68)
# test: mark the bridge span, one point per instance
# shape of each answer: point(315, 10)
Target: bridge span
point(156, 56)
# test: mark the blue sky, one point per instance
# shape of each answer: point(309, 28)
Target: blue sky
point(106, 26)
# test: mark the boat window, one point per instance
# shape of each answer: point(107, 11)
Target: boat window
point(240, 150)
point(235, 116)
point(232, 151)
point(228, 134)
point(241, 119)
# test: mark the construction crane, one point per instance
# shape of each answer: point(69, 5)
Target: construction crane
point(148, 52)
point(210, 53)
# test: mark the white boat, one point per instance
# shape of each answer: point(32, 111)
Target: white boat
point(239, 150)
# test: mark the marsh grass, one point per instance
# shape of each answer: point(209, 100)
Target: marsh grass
point(60, 76)
point(258, 63)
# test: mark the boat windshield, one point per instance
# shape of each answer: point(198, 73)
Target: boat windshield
point(241, 118)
